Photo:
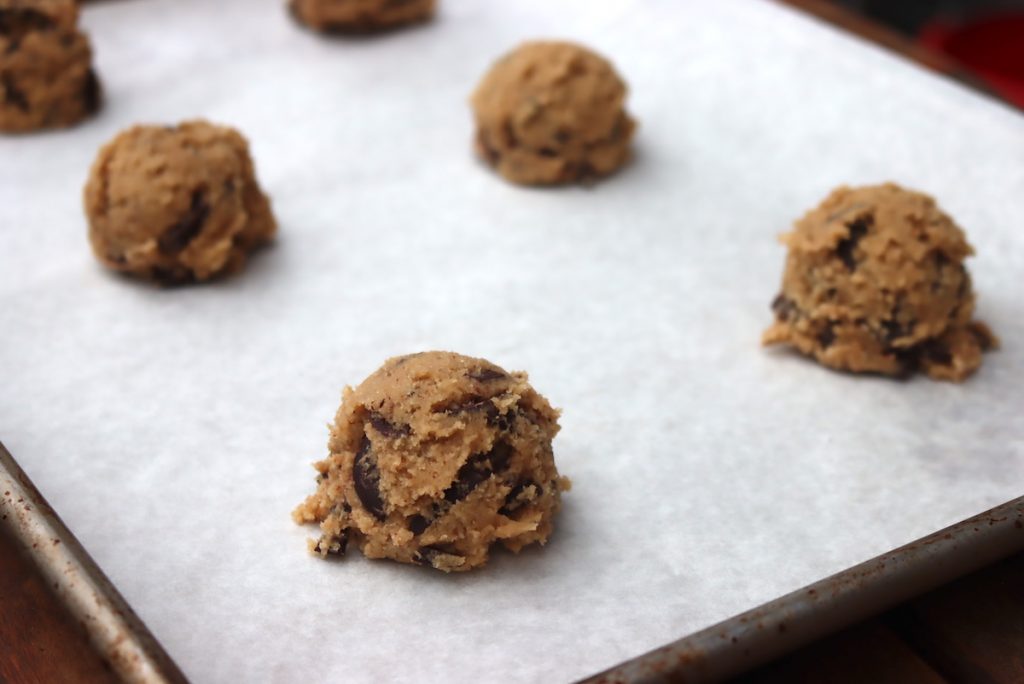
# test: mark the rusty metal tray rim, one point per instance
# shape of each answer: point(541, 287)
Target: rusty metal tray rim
point(713, 654)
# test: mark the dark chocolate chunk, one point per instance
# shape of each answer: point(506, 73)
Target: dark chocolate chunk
point(857, 229)
point(512, 501)
point(938, 353)
point(784, 307)
point(171, 276)
point(477, 469)
point(177, 237)
point(908, 359)
point(477, 404)
point(13, 96)
point(474, 404)
point(547, 152)
point(91, 92)
point(418, 524)
point(505, 421)
point(336, 547)
point(427, 554)
point(827, 335)
point(563, 135)
point(366, 478)
point(486, 375)
point(893, 328)
point(387, 428)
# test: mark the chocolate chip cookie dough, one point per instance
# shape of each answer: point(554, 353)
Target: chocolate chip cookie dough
point(176, 203)
point(358, 16)
point(46, 75)
point(552, 112)
point(875, 282)
point(434, 458)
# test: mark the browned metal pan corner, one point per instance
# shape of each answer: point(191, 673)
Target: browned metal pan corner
point(757, 636)
point(114, 630)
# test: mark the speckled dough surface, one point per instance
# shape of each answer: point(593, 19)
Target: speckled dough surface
point(176, 203)
point(345, 16)
point(875, 282)
point(46, 76)
point(552, 112)
point(434, 458)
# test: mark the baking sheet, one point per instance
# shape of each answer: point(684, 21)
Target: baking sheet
point(172, 428)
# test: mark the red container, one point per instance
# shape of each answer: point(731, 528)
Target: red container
point(992, 47)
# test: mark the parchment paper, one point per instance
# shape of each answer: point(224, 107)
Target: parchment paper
point(172, 429)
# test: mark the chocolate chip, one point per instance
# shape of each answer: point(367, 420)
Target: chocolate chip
point(504, 421)
point(857, 229)
point(336, 547)
point(784, 307)
point(13, 96)
point(547, 152)
point(486, 375)
point(91, 92)
point(171, 276)
point(418, 524)
point(512, 501)
point(938, 353)
point(473, 404)
point(177, 237)
point(827, 335)
point(366, 478)
point(387, 428)
point(909, 360)
point(563, 135)
point(427, 554)
point(477, 469)
point(476, 404)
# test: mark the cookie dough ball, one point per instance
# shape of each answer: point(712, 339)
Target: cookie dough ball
point(46, 76)
point(551, 112)
point(358, 16)
point(875, 282)
point(434, 458)
point(177, 203)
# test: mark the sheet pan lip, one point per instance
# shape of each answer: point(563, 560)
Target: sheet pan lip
point(757, 636)
point(713, 654)
point(115, 631)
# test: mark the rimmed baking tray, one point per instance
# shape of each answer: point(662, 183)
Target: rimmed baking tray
point(173, 429)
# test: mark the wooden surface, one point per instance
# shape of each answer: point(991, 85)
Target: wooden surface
point(971, 630)
point(39, 642)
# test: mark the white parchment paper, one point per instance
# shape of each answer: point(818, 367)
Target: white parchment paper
point(173, 429)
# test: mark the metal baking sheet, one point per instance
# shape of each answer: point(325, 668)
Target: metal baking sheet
point(172, 428)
